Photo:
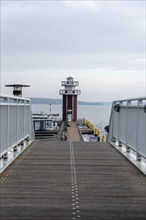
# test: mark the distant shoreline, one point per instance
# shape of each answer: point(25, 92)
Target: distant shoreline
point(48, 101)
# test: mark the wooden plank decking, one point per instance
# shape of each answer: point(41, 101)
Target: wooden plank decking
point(72, 132)
point(72, 180)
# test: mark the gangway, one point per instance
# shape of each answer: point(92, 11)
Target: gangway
point(72, 180)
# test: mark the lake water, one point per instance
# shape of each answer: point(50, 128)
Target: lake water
point(98, 114)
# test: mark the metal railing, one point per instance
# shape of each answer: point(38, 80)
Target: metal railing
point(70, 83)
point(127, 129)
point(16, 127)
point(69, 92)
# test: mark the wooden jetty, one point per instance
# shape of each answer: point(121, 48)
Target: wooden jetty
point(72, 180)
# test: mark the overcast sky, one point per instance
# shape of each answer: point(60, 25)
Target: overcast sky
point(99, 43)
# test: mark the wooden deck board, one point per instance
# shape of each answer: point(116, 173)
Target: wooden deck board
point(104, 185)
point(72, 132)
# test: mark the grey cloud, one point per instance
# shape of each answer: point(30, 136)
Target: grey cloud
point(53, 35)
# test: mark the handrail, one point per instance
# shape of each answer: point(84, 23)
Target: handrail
point(127, 129)
point(13, 97)
point(16, 127)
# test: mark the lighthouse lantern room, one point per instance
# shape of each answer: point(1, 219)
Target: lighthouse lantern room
point(69, 96)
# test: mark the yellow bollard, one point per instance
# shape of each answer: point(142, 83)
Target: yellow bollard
point(94, 129)
point(96, 132)
point(103, 138)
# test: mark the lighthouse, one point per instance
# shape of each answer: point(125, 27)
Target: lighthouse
point(69, 99)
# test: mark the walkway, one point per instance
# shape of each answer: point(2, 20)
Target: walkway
point(72, 181)
point(72, 132)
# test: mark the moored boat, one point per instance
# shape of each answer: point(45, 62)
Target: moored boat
point(44, 124)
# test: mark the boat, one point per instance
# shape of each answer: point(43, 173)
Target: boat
point(44, 125)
